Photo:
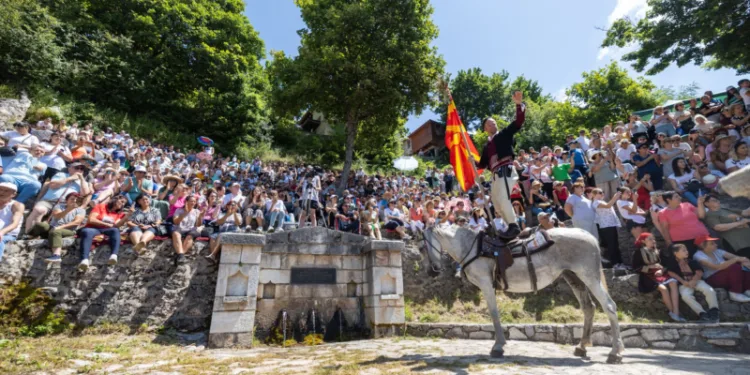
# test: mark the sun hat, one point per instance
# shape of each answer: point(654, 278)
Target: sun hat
point(710, 181)
point(701, 239)
point(9, 186)
point(641, 238)
point(719, 137)
point(171, 177)
point(140, 168)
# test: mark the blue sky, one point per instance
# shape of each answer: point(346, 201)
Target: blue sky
point(550, 41)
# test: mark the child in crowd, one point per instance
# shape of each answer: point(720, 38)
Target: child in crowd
point(689, 274)
point(653, 275)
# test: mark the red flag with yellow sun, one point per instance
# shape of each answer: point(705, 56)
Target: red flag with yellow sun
point(457, 140)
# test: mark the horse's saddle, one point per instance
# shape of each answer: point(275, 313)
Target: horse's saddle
point(527, 243)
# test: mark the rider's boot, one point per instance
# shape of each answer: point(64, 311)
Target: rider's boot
point(513, 231)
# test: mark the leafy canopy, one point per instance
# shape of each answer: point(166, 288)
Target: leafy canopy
point(193, 65)
point(360, 62)
point(607, 95)
point(714, 32)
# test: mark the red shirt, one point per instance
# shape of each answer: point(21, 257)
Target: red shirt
point(100, 212)
point(562, 194)
point(683, 222)
point(644, 198)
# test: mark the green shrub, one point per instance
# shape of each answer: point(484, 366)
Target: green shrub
point(41, 113)
point(9, 92)
point(28, 311)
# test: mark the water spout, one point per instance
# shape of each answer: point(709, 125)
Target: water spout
point(283, 318)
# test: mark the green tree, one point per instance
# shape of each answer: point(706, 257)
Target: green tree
point(609, 94)
point(193, 65)
point(361, 63)
point(679, 32)
point(28, 49)
point(665, 93)
point(477, 95)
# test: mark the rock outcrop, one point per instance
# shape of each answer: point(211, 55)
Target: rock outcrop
point(13, 110)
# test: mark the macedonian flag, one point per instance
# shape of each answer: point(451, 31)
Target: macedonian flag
point(457, 140)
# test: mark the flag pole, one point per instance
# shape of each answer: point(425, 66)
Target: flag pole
point(490, 224)
point(468, 151)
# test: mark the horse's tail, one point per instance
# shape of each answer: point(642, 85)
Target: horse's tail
point(603, 279)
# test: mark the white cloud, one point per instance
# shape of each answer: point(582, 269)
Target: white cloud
point(560, 95)
point(624, 8)
point(603, 52)
point(632, 8)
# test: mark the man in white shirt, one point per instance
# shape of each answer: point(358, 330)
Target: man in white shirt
point(626, 150)
point(234, 195)
point(583, 141)
point(309, 203)
point(744, 85)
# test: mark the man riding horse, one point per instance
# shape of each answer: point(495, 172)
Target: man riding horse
point(498, 157)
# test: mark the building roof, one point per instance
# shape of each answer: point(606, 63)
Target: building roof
point(427, 123)
point(646, 114)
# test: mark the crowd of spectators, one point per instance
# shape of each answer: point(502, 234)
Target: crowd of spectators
point(655, 178)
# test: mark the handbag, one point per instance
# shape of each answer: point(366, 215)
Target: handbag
point(6, 151)
point(161, 230)
point(694, 186)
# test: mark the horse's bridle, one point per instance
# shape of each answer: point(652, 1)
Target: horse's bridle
point(443, 254)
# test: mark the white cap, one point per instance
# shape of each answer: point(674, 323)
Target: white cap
point(140, 168)
point(9, 185)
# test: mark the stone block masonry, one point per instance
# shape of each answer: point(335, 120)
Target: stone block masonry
point(733, 337)
point(140, 290)
point(367, 287)
point(235, 299)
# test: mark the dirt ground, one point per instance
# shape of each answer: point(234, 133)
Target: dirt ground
point(186, 354)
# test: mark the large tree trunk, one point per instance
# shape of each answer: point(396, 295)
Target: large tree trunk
point(352, 125)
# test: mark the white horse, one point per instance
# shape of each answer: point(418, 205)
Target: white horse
point(574, 256)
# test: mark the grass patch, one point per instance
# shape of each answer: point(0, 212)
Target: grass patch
point(514, 308)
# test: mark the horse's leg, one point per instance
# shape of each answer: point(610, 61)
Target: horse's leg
point(489, 296)
point(481, 274)
point(596, 283)
point(588, 307)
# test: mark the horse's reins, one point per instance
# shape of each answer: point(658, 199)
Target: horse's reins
point(442, 253)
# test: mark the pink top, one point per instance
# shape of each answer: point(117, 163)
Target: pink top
point(683, 222)
point(178, 203)
point(211, 211)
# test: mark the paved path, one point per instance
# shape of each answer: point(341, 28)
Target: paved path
point(426, 356)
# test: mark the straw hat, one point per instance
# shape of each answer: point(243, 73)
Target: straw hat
point(171, 177)
point(719, 137)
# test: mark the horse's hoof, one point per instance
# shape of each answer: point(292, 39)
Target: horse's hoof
point(579, 352)
point(614, 359)
point(497, 353)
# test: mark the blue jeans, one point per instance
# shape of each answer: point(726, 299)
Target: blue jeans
point(275, 220)
point(6, 238)
point(690, 197)
point(87, 237)
point(28, 186)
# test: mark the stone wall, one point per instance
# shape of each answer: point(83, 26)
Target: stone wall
point(148, 289)
point(152, 290)
point(696, 337)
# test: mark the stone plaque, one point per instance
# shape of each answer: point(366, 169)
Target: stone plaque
point(313, 276)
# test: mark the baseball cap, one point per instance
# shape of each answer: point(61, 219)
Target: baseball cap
point(701, 239)
point(140, 168)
